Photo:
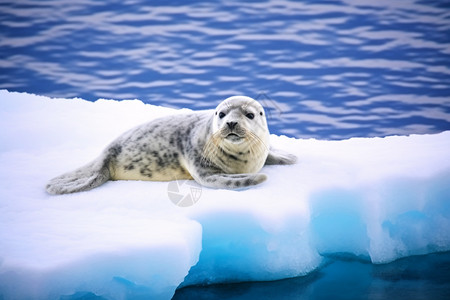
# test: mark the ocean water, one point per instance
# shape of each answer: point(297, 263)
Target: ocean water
point(322, 69)
point(344, 278)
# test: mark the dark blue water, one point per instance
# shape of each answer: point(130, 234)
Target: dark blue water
point(413, 278)
point(324, 69)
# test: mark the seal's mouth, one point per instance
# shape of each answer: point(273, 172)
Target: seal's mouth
point(233, 137)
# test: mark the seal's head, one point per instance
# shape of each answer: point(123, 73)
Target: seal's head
point(238, 117)
point(239, 134)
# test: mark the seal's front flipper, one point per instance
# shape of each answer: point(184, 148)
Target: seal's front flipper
point(278, 157)
point(230, 181)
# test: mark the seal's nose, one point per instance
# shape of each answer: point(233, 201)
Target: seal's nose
point(231, 125)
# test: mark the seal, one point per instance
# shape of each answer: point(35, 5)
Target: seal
point(224, 148)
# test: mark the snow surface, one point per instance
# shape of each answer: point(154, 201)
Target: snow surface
point(376, 198)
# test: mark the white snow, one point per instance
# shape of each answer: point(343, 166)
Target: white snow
point(377, 198)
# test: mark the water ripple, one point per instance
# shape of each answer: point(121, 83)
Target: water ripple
point(322, 69)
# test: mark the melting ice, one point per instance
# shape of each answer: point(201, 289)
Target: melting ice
point(378, 199)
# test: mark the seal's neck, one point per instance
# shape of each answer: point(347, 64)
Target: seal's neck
point(245, 156)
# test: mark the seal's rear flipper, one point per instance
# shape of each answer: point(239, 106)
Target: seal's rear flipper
point(82, 179)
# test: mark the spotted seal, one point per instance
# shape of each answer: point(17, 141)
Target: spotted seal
point(223, 148)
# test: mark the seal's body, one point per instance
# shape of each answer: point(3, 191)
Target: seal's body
point(224, 148)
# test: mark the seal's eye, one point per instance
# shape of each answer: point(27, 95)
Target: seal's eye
point(250, 116)
point(221, 115)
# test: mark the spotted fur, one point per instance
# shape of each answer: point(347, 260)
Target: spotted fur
point(224, 148)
